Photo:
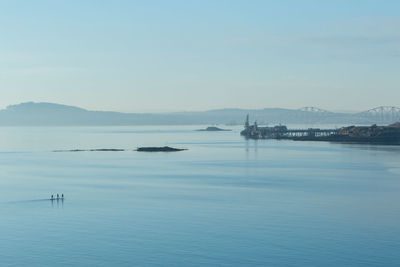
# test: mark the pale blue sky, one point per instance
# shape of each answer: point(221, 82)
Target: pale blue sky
point(197, 55)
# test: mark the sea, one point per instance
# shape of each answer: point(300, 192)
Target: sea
point(225, 201)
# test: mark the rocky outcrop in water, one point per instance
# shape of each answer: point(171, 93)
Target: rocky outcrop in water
point(213, 129)
point(92, 150)
point(159, 149)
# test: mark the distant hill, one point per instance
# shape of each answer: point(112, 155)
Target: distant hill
point(50, 114)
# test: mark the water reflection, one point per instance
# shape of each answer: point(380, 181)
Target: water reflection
point(57, 202)
point(372, 147)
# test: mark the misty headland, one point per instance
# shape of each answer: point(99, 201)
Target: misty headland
point(51, 114)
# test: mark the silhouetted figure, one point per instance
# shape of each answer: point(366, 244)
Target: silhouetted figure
point(58, 196)
point(52, 197)
point(62, 195)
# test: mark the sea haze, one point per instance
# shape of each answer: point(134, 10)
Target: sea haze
point(50, 114)
point(225, 201)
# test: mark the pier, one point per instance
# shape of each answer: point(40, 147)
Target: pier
point(282, 132)
point(358, 134)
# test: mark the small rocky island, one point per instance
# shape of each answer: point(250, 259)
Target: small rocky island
point(92, 150)
point(140, 149)
point(159, 149)
point(213, 129)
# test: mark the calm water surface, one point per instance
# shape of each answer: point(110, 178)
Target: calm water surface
point(226, 201)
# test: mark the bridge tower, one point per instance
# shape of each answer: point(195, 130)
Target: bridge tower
point(247, 124)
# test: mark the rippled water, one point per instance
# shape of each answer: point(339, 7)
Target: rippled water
point(225, 201)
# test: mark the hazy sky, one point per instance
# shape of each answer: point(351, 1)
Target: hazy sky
point(197, 55)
